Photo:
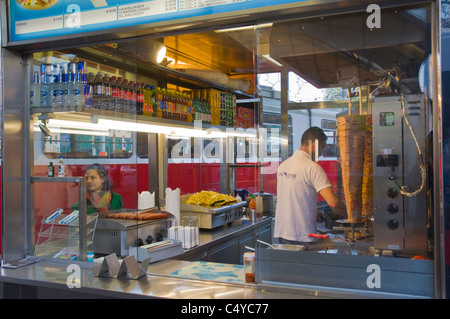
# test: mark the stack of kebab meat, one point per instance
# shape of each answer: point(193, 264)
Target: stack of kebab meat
point(367, 182)
point(355, 145)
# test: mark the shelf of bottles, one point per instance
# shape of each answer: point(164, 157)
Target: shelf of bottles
point(64, 87)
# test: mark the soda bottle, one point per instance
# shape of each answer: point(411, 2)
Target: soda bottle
point(98, 91)
point(107, 93)
point(189, 108)
point(153, 101)
point(35, 92)
point(146, 103)
point(114, 93)
point(120, 94)
point(197, 111)
point(133, 99)
point(126, 96)
point(139, 99)
point(89, 90)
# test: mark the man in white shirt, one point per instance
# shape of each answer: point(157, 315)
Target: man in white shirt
point(299, 180)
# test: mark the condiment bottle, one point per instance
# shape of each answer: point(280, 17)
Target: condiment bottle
point(61, 167)
point(259, 206)
point(51, 170)
point(249, 267)
point(252, 207)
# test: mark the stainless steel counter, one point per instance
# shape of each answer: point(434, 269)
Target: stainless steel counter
point(48, 278)
point(234, 235)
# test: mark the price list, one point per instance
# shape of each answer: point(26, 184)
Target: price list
point(196, 4)
point(77, 16)
point(39, 25)
point(146, 8)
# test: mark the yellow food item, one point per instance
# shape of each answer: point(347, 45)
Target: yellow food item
point(208, 198)
point(36, 4)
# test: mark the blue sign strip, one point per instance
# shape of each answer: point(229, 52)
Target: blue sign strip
point(36, 19)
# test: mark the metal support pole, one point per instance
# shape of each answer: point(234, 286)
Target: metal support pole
point(439, 254)
point(284, 116)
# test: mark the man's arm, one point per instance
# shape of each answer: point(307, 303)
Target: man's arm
point(333, 201)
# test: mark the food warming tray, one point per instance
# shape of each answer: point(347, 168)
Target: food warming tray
point(210, 217)
point(118, 235)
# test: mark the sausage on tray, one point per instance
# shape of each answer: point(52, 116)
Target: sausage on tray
point(140, 216)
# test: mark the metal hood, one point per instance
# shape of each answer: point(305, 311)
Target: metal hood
point(343, 51)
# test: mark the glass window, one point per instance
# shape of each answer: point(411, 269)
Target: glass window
point(360, 86)
point(72, 92)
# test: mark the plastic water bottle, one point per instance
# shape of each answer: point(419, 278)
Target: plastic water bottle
point(61, 167)
point(53, 86)
point(78, 89)
point(45, 88)
point(61, 86)
point(71, 71)
point(35, 92)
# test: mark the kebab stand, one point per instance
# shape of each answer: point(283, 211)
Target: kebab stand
point(371, 158)
point(384, 153)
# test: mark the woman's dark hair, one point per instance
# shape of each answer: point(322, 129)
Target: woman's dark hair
point(312, 134)
point(101, 171)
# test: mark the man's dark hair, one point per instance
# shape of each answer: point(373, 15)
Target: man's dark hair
point(312, 134)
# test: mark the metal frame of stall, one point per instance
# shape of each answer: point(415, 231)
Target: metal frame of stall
point(17, 190)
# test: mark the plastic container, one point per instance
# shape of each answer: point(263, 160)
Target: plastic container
point(249, 267)
point(90, 256)
point(259, 206)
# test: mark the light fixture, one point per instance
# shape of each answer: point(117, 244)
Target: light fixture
point(249, 27)
point(145, 49)
point(75, 124)
point(270, 59)
point(103, 126)
point(44, 129)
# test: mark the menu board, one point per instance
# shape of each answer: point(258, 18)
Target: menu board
point(36, 19)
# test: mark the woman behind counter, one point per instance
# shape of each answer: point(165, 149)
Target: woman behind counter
point(100, 198)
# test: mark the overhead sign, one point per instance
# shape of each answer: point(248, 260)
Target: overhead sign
point(35, 19)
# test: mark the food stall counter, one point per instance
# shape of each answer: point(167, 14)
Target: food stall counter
point(48, 278)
